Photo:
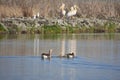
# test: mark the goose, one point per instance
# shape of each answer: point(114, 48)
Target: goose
point(46, 55)
point(70, 55)
point(62, 8)
point(70, 13)
point(73, 11)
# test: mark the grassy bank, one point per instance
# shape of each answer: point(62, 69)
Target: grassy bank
point(3, 29)
point(56, 29)
point(108, 27)
point(57, 26)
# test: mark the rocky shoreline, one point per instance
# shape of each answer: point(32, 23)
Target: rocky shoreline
point(75, 25)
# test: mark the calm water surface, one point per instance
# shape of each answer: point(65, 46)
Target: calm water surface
point(97, 57)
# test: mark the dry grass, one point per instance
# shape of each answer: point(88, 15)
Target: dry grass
point(7, 11)
point(50, 8)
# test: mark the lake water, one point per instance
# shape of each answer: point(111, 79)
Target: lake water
point(97, 57)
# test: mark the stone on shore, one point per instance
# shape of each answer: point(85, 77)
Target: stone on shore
point(15, 25)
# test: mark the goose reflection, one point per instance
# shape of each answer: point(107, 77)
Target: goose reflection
point(70, 49)
point(36, 46)
point(62, 54)
point(72, 46)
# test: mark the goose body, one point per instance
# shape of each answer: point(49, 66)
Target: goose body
point(70, 13)
point(70, 55)
point(46, 55)
point(73, 11)
point(63, 12)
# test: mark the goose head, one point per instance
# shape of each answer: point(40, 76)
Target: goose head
point(62, 7)
point(75, 7)
point(72, 8)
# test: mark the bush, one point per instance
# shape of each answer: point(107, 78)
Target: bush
point(110, 27)
point(2, 28)
point(52, 29)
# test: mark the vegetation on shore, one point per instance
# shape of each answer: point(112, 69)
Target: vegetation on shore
point(3, 28)
point(108, 27)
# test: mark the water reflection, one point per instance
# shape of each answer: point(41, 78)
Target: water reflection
point(36, 46)
point(62, 47)
point(72, 44)
point(68, 46)
point(98, 57)
point(97, 46)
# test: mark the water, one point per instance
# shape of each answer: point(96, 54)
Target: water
point(97, 57)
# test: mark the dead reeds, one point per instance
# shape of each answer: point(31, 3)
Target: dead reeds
point(50, 8)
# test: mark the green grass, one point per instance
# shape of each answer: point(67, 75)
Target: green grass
point(51, 29)
point(2, 29)
point(110, 27)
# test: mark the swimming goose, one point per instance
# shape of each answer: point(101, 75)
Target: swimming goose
point(70, 55)
point(46, 55)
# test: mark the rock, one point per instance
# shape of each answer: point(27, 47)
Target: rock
point(24, 24)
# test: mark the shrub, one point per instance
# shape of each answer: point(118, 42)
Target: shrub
point(53, 29)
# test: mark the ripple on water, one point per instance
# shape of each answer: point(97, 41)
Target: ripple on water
point(35, 67)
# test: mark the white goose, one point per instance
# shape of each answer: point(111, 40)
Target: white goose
point(62, 8)
point(73, 11)
point(70, 13)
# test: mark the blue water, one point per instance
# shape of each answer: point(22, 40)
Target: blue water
point(34, 68)
point(97, 57)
